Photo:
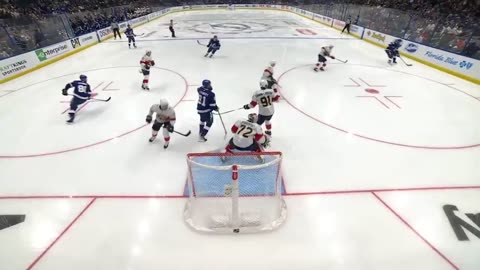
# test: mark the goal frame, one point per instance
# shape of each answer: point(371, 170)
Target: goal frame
point(236, 226)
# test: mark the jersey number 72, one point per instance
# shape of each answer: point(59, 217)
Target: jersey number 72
point(245, 131)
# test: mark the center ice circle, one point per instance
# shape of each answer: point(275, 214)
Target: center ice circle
point(385, 106)
point(228, 27)
point(98, 122)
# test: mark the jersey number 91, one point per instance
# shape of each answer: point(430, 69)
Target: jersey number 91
point(266, 101)
point(202, 100)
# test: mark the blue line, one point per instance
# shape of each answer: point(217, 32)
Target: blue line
point(203, 38)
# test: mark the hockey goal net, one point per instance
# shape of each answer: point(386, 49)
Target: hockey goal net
point(235, 193)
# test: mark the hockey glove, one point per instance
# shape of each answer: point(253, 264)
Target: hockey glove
point(152, 63)
point(216, 108)
point(169, 127)
point(331, 56)
point(64, 92)
point(149, 119)
point(246, 107)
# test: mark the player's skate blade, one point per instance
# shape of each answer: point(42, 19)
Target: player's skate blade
point(152, 139)
point(165, 146)
point(202, 139)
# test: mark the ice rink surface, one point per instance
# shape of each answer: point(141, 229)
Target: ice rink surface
point(373, 154)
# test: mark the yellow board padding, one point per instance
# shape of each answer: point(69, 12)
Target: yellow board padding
point(48, 62)
point(457, 74)
point(446, 70)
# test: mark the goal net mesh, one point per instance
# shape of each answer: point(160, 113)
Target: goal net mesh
point(235, 193)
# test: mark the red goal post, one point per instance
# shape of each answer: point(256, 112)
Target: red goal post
point(240, 192)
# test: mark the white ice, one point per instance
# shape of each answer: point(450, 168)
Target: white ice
point(420, 131)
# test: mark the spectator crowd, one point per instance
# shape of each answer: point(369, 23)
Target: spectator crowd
point(452, 25)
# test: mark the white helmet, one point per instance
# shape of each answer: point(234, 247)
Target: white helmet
point(148, 52)
point(263, 83)
point(272, 63)
point(163, 104)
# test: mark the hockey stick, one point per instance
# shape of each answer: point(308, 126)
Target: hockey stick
point(229, 111)
point(184, 135)
point(198, 41)
point(96, 99)
point(104, 100)
point(341, 60)
point(223, 124)
point(407, 64)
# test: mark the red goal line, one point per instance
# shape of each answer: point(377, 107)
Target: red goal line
point(333, 192)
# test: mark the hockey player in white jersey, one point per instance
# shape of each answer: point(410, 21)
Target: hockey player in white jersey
point(248, 136)
point(145, 65)
point(268, 76)
point(322, 60)
point(165, 117)
point(264, 98)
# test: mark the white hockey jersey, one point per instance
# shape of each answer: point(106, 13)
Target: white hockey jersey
point(246, 133)
point(326, 51)
point(163, 116)
point(146, 62)
point(264, 99)
point(268, 74)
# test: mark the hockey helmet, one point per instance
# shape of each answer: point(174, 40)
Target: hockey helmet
point(398, 41)
point(206, 83)
point(163, 104)
point(263, 83)
point(148, 52)
point(330, 47)
point(273, 63)
point(252, 117)
point(215, 37)
point(83, 78)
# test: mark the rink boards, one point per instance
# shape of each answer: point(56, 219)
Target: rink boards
point(457, 65)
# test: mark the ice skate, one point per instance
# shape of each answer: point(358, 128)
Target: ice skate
point(202, 138)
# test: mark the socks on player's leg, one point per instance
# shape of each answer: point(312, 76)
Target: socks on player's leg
point(167, 142)
point(269, 129)
point(205, 130)
point(154, 135)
